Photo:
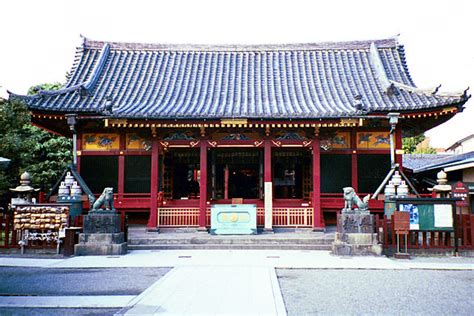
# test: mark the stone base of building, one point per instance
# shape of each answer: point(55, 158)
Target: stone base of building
point(101, 237)
point(355, 236)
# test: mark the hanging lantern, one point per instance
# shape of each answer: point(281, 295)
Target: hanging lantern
point(76, 189)
point(389, 189)
point(397, 178)
point(63, 189)
point(402, 190)
point(69, 179)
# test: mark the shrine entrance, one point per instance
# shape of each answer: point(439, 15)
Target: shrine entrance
point(236, 174)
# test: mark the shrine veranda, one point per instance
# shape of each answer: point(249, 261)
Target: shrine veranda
point(175, 129)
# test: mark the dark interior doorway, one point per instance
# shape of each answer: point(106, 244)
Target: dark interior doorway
point(236, 174)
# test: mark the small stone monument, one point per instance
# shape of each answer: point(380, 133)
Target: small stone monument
point(102, 235)
point(355, 228)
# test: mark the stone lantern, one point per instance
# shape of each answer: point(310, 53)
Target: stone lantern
point(442, 189)
point(24, 191)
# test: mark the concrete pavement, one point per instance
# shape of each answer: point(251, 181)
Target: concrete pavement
point(222, 290)
point(213, 281)
point(307, 259)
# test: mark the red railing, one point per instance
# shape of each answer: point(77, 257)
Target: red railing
point(293, 217)
point(189, 217)
point(178, 217)
point(429, 239)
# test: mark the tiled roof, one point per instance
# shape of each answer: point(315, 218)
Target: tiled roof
point(127, 80)
point(425, 162)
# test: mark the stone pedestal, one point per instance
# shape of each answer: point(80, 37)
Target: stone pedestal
point(355, 235)
point(101, 236)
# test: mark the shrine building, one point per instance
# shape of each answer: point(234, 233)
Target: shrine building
point(175, 129)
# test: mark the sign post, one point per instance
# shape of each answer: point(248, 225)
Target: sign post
point(401, 226)
point(461, 191)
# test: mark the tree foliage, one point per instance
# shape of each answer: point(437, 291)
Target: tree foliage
point(411, 145)
point(42, 154)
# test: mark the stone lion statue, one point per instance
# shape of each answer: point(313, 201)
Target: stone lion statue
point(351, 198)
point(105, 201)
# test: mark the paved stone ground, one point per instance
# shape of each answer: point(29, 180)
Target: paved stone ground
point(375, 292)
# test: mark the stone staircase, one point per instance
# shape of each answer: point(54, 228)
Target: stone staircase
point(140, 239)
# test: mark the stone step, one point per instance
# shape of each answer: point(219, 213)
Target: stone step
point(222, 241)
point(232, 246)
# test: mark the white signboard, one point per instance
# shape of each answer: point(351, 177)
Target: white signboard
point(443, 215)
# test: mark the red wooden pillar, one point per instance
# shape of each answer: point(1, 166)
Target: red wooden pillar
point(153, 218)
point(121, 169)
point(121, 175)
point(268, 184)
point(398, 145)
point(203, 185)
point(79, 151)
point(354, 168)
point(317, 213)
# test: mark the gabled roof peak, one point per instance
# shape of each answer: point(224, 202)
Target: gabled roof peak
point(345, 45)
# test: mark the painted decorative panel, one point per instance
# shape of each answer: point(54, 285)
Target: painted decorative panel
point(235, 136)
point(373, 140)
point(100, 141)
point(335, 140)
point(137, 142)
point(179, 136)
point(291, 136)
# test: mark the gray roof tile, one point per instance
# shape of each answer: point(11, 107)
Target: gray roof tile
point(251, 81)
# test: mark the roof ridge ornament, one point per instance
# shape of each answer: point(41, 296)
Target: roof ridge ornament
point(389, 84)
point(188, 47)
point(85, 87)
point(380, 74)
point(432, 91)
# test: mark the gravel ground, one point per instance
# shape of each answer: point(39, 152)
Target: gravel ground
point(47, 281)
point(44, 282)
point(370, 292)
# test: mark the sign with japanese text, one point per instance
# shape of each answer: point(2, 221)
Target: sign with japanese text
point(461, 190)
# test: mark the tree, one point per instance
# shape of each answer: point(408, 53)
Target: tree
point(42, 154)
point(411, 145)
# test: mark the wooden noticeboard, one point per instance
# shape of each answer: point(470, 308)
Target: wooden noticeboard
point(429, 214)
point(401, 222)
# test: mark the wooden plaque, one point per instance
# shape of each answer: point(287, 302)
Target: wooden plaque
point(401, 222)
